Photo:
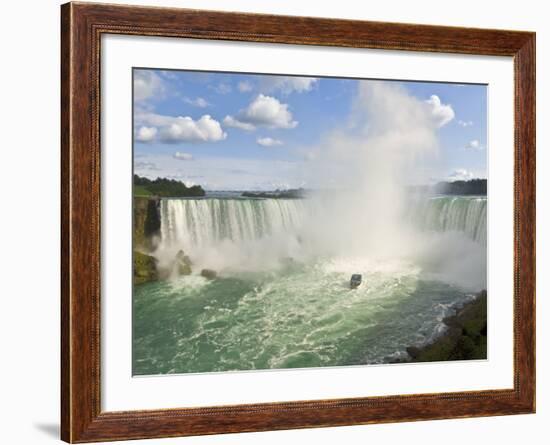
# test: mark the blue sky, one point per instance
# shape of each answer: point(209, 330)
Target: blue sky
point(257, 132)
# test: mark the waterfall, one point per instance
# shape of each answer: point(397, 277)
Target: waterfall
point(452, 213)
point(192, 223)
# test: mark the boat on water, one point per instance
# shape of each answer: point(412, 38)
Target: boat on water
point(355, 281)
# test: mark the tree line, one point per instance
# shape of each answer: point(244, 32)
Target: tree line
point(164, 187)
point(471, 187)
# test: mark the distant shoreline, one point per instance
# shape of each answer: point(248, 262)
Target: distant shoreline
point(171, 188)
point(464, 188)
point(238, 194)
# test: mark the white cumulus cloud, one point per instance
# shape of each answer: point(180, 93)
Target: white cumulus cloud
point(461, 174)
point(230, 121)
point(183, 156)
point(169, 129)
point(263, 111)
point(268, 142)
point(198, 102)
point(144, 165)
point(185, 129)
point(147, 84)
point(442, 114)
point(287, 84)
point(474, 145)
point(245, 86)
point(221, 88)
point(146, 134)
point(465, 123)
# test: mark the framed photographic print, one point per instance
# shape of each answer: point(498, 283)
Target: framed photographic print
point(279, 222)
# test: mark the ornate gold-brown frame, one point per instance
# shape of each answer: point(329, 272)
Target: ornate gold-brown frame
point(82, 26)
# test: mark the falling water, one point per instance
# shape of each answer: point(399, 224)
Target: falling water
point(195, 223)
point(453, 213)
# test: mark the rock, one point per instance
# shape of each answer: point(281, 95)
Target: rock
point(466, 348)
point(180, 256)
point(209, 273)
point(145, 268)
point(183, 263)
point(146, 230)
point(184, 269)
point(464, 339)
point(413, 351)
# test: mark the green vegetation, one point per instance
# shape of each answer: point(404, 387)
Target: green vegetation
point(471, 187)
point(141, 191)
point(145, 268)
point(163, 187)
point(465, 339)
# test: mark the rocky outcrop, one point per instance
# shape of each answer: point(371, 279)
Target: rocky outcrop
point(183, 263)
point(146, 235)
point(146, 230)
point(209, 274)
point(145, 268)
point(465, 338)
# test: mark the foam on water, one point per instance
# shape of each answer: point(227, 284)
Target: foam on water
point(302, 316)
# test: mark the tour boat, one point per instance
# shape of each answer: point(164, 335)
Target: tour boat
point(355, 281)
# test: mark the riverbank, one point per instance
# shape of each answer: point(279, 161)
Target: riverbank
point(464, 339)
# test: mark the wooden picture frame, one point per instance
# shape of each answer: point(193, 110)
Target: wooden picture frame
point(82, 25)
